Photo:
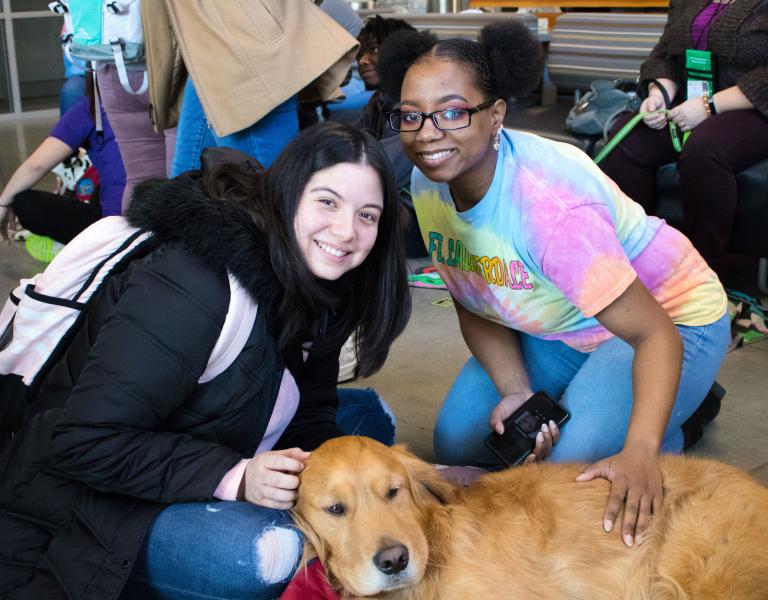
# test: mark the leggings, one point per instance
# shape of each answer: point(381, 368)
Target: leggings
point(59, 217)
point(717, 150)
point(145, 153)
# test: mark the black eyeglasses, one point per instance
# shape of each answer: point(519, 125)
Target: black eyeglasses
point(447, 119)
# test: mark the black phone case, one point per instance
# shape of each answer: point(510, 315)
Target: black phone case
point(516, 444)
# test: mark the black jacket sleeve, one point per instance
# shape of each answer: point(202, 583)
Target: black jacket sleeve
point(144, 364)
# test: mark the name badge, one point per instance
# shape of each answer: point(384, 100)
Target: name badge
point(699, 73)
point(698, 88)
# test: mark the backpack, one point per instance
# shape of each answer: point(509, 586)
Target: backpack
point(105, 32)
point(44, 312)
point(596, 111)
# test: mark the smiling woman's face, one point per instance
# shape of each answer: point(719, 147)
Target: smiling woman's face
point(449, 156)
point(337, 220)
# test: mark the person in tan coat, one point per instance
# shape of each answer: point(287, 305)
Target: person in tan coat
point(247, 68)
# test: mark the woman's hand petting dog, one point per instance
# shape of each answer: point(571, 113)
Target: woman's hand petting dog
point(545, 439)
point(269, 478)
point(636, 481)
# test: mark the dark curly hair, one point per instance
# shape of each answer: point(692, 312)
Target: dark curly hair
point(377, 29)
point(506, 60)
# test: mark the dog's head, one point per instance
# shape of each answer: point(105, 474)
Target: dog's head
point(368, 512)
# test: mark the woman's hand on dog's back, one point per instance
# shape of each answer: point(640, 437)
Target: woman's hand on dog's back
point(636, 483)
point(271, 478)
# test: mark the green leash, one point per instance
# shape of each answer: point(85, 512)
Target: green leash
point(674, 133)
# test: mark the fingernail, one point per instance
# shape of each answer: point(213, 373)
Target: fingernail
point(552, 424)
point(607, 525)
point(544, 428)
point(628, 540)
point(540, 437)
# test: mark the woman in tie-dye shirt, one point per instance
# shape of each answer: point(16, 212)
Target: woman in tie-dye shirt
point(561, 282)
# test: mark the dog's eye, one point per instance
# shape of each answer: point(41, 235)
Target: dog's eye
point(335, 509)
point(392, 492)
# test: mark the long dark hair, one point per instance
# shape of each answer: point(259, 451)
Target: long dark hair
point(506, 60)
point(372, 299)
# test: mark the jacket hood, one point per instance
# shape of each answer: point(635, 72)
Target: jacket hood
point(222, 234)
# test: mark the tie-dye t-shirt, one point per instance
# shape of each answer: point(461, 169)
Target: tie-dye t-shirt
point(553, 242)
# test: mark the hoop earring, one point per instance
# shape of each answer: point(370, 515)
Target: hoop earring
point(497, 140)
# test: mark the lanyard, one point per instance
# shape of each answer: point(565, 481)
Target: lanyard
point(721, 6)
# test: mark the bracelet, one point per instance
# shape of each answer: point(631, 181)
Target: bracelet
point(711, 104)
point(705, 102)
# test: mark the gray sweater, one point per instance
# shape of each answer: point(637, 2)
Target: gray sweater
point(738, 38)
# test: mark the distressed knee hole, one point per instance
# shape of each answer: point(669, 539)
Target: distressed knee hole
point(277, 552)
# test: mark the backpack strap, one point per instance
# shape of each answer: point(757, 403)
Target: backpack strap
point(116, 8)
point(122, 73)
point(241, 315)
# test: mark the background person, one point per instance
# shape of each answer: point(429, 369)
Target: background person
point(243, 88)
point(561, 283)
point(58, 216)
point(729, 127)
point(114, 474)
point(372, 36)
point(375, 120)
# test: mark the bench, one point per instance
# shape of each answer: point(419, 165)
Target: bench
point(585, 47)
point(447, 25)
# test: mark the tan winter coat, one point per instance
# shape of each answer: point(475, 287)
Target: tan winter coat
point(246, 57)
point(165, 65)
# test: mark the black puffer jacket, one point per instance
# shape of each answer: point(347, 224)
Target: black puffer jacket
point(121, 426)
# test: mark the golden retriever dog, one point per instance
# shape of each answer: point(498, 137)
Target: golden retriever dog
point(386, 525)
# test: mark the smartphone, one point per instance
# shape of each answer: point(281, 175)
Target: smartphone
point(522, 426)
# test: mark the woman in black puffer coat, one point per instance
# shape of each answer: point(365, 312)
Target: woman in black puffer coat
point(127, 465)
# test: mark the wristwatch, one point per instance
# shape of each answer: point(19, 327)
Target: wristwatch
point(711, 104)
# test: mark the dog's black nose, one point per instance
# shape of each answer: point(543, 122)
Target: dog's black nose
point(391, 560)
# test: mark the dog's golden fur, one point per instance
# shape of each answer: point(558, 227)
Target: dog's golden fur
point(529, 532)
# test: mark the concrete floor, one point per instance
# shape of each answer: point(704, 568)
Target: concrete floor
point(426, 358)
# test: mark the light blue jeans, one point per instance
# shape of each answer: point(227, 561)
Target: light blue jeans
point(263, 140)
point(595, 388)
point(72, 90)
point(236, 550)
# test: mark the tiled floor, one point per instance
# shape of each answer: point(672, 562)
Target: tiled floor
point(425, 359)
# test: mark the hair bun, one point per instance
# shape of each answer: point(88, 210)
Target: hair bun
point(397, 53)
point(514, 54)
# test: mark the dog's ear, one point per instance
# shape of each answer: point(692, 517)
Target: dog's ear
point(425, 478)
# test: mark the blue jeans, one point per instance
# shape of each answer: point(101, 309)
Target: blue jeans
point(263, 140)
point(72, 90)
point(236, 550)
point(595, 388)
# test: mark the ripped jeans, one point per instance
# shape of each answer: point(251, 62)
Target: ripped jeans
point(235, 550)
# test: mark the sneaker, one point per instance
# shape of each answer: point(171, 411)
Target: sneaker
point(42, 248)
point(693, 428)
